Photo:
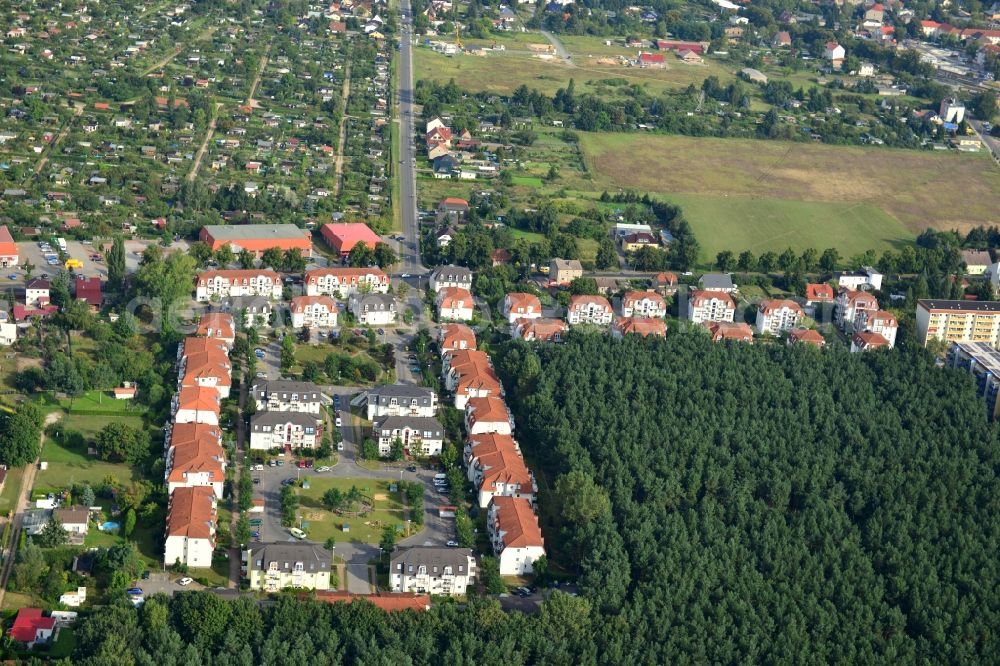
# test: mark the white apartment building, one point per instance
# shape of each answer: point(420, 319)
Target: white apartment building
point(586, 309)
point(777, 316)
point(344, 282)
point(710, 306)
point(295, 430)
point(314, 312)
point(432, 570)
point(643, 304)
point(237, 283)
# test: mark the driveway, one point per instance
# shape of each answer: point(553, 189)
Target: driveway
point(165, 583)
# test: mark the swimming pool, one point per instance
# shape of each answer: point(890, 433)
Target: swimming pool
point(108, 526)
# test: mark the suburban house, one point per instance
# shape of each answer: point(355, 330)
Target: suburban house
point(587, 309)
point(643, 304)
point(487, 415)
point(717, 282)
point(197, 404)
point(451, 276)
point(863, 341)
point(287, 396)
point(519, 305)
point(495, 467)
point(314, 312)
point(31, 628)
point(665, 284)
point(74, 519)
point(272, 567)
point(564, 271)
point(958, 321)
point(806, 336)
point(195, 463)
point(651, 60)
point(8, 329)
point(373, 309)
point(835, 53)
point(453, 208)
point(432, 570)
point(879, 321)
point(9, 255)
point(454, 304)
point(421, 436)
point(818, 293)
point(345, 281)
point(710, 306)
point(515, 535)
point(543, 329)
point(850, 305)
point(191, 524)
point(193, 346)
point(88, 290)
point(866, 278)
point(644, 326)
point(36, 293)
point(470, 374)
point(976, 261)
point(257, 238)
point(455, 337)
point(218, 325)
point(400, 400)
point(776, 316)
point(208, 369)
point(238, 282)
point(342, 237)
point(285, 430)
point(726, 330)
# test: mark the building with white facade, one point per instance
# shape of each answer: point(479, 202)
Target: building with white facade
point(191, 524)
point(272, 567)
point(587, 309)
point(777, 316)
point(314, 312)
point(520, 305)
point(344, 281)
point(238, 283)
point(515, 535)
point(421, 436)
point(451, 276)
point(400, 400)
point(454, 304)
point(710, 306)
point(643, 304)
point(373, 309)
point(432, 570)
point(284, 429)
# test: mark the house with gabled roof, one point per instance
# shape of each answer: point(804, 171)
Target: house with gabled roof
point(515, 535)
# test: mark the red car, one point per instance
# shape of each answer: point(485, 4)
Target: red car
point(302, 464)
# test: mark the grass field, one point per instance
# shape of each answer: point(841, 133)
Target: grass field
point(69, 463)
point(103, 402)
point(388, 510)
point(764, 195)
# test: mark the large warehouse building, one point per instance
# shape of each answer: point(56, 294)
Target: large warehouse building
point(257, 238)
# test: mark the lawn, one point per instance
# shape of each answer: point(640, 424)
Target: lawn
point(388, 510)
point(11, 488)
point(770, 195)
point(528, 181)
point(69, 463)
point(102, 403)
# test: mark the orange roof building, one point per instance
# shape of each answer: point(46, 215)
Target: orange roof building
point(9, 255)
point(191, 522)
point(218, 325)
point(806, 336)
point(257, 238)
point(644, 326)
point(519, 305)
point(343, 281)
point(515, 535)
point(723, 330)
point(342, 237)
point(544, 329)
point(819, 293)
point(455, 337)
point(483, 415)
point(388, 602)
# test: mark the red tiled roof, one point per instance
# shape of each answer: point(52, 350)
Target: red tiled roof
point(700, 297)
point(523, 303)
point(491, 409)
point(808, 336)
point(300, 303)
point(866, 340)
point(192, 512)
point(8, 247)
point(454, 297)
point(345, 274)
point(633, 297)
point(819, 292)
point(239, 275)
point(644, 326)
point(387, 602)
point(28, 622)
point(452, 335)
point(721, 330)
point(342, 237)
point(580, 301)
point(519, 523)
point(219, 324)
point(773, 305)
point(543, 329)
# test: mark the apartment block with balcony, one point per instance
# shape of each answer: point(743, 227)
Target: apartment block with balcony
point(272, 567)
point(982, 362)
point(958, 321)
point(401, 400)
point(432, 570)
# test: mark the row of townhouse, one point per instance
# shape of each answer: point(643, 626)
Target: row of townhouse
point(405, 413)
point(289, 415)
point(219, 284)
point(195, 468)
point(494, 465)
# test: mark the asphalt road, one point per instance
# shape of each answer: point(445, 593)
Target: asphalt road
point(410, 250)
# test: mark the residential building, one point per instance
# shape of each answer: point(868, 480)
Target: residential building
point(285, 430)
point(495, 467)
point(400, 400)
point(819, 293)
point(88, 290)
point(880, 322)
point(218, 325)
point(342, 237)
point(725, 330)
point(519, 305)
point(288, 396)
point(373, 309)
point(195, 463)
point(982, 361)
point(314, 312)
point(454, 304)
point(9, 255)
point(193, 346)
point(453, 208)
point(8, 329)
point(421, 436)
point(643, 304)
point(951, 110)
point(976, 261)
point(564, 271)
point(191, 523)
point(665, 284)
point(432, 570)
point(197, 404)
point(272, 567)
point(74, 519)
point(710, 306)
point(214, 285)
point(587, 309)
point(456, 337)
point(867, 278)
point(209, 369)
point(806, 336)
point(777, 316)
point(451, 276)
point(344, 281)
point(958, 321)
point(31, 627)
point(470, 374)
point(257, 238)
point(863, 341)
point(487, 415)
point(835, 53)
point(717, 282)
point(543, 329)
point(515, 535)
point(644, 326)
point(36, 293)
point(850, 305)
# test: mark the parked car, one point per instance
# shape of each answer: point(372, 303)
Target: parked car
point(452, 544)
point(297, 533)
point(324, 468)
point(340, 446)
point(411, 468)
point(146, 575)
point(256, 480)
point(259, 353)
point(339, 422)
point(255, 534)
point(258, 467)
point(134, 591)
point(185, 581)
point(309, 464)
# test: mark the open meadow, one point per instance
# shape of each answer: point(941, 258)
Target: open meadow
point(769, 195)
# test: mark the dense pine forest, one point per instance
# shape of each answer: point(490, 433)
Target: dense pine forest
point(719, 503)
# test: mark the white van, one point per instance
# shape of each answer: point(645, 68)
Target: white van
point(297, 533)
point(440, 477)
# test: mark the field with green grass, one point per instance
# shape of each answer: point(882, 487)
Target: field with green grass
point(388, 510)
point(769, 195)
point(67, 458)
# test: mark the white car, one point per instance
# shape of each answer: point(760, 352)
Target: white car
point(339, 422)
point(324, 468)
point(258, 467)
point(340, 446)
point(185, 581)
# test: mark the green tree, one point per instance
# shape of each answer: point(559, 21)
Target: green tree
point(331, 543)
point(242, 533)
point(724, 260)
point(580, 498)
point(287, 353)
point(129, 522)
point(606, 255)
point(20, 433)
point(333, 499)
point(388, 541)
point(118, 442)
point(30, 568)
point(224, 255)
point(201, 251)
point(52, 534)
point(369, 449)
point(829, 259)
point(489, 570)
point(246, 259)
point(396, 449)
point(384, 255)
point(272, 258)
point(115, 259)
point(360, 256)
